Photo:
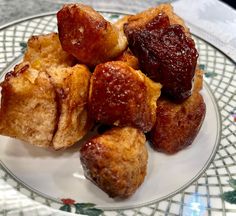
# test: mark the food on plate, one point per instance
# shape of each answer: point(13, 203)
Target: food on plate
point(45, 104)
point(145, 79)
point(85, 34)
point(116, 161)
point(177, 124)
point(128, 57)
point(165, 51)
point(123, 96)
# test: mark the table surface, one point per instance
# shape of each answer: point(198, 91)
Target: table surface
point(202, 15)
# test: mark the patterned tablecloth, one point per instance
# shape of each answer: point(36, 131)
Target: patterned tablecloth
point(212, 20)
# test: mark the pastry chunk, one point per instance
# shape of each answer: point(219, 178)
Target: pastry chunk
point(44, 100)
point(165, 51)
point(85, 34)
point(177, 124)
point(122, 96)
point(116, 161)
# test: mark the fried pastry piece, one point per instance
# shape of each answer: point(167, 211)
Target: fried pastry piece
point(122, 96)
point(116, 161)
point(85, 34)
point(46, 104)
point(165, 51)
point(71, 84)
point(45, 108)
point(177, 124)
point(128, 57)
point(28, 106)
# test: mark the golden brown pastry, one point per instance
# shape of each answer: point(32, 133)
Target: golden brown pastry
point(122, 96)
point(116, 161)
point(85, 34)
point(44, 100)
point(165, 50)
point(177, 124)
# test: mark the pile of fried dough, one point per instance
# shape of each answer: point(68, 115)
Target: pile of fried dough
point(138, 75)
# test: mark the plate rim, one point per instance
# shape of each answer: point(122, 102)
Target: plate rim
point(205, 167)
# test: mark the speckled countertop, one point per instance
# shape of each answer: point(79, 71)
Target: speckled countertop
point(11, 10)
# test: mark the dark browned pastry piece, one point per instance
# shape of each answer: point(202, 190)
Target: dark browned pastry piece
point(164, 48)
point(116, 161)
point(122, 96)
point(85, 34)
point(177, 124)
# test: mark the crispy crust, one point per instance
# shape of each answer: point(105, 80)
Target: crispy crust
point(116, 161)
point(122, 96)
